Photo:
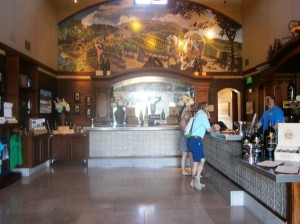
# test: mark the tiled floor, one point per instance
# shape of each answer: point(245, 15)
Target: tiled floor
point(75, 194)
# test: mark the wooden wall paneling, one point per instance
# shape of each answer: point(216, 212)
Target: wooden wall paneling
point(12, 83)
point(66, 89)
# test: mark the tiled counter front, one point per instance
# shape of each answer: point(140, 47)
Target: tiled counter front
point(134, 141)
point(221, 153)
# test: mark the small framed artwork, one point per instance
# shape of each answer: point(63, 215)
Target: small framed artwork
point(88, 112)
point(45, 102)
point(249, 107)
point(224, 109)
point(76, 96)
point(77, 109)
point(88, 100)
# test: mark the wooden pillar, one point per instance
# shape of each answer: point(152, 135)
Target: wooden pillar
point(294, 203)
point(201, 92)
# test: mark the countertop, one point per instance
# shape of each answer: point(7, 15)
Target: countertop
point(270, 172)
point(227, 135)
point(132, 128)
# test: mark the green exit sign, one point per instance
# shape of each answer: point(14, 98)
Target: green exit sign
point(249, 80)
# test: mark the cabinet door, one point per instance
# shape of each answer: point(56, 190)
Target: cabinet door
point(77, 147)
point(27, 151)
point(103, 107)
point(44, 143)
point(59, 147)
point(36, 150)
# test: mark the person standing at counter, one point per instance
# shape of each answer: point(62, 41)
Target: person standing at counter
point(200, 126)
point(185, 117)
point(274, 113)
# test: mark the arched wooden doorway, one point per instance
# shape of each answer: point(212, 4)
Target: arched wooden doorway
point(229, 106)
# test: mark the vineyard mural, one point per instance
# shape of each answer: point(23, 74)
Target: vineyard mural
point(183, 35)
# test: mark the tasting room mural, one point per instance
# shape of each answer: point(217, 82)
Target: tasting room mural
point(183, 36)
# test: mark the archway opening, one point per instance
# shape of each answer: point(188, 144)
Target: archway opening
point(229, 106)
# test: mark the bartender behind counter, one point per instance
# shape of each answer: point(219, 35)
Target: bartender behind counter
point(274, 113)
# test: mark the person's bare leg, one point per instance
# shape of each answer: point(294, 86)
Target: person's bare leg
point(199, 171)
point(183, 159)
point(194, 173)
point(191, 159)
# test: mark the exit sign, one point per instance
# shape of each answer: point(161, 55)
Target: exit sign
point(249, 80)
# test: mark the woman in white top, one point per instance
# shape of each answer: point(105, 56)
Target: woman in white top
point(185, 117)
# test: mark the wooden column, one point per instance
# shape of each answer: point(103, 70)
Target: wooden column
point(294, 203)
point(201, 92)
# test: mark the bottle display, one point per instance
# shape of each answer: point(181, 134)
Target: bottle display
point(270, 140)
point(291, 90)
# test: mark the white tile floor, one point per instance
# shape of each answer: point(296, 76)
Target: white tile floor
point(72, 193)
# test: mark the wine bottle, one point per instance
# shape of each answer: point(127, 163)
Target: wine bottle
point(256, 139)
point(163, 115)
point(55, 124)
point(1, 83)
point(270, 140)
point(28, 81)
point(246, 141)
point(107, 65)
point(141, 116)
point(29, 105)
point(291, 90)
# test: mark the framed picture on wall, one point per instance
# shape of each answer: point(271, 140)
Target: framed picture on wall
point(224, 109)
point(249, 107)
point(88, 100)
point(76, 96)
point(77, 109)
point(45, 101)
point(88, 112)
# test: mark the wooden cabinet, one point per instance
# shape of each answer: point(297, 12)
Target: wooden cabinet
point(18, 93)
point(68, 147)
point(35, 150)
point(16, 67)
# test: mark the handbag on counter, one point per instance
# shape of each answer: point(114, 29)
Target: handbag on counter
point(189, 127)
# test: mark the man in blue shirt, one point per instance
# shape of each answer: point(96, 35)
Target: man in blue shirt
point(200, 126)
point(274, 113)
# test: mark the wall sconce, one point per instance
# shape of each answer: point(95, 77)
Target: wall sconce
point(203, 73)
point(196, 73)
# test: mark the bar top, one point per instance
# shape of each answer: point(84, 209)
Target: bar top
point(228, 136)
point(132, 128)
point(270, 171)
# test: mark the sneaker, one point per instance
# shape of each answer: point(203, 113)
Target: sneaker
point(198, 186)
point(184, 173)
